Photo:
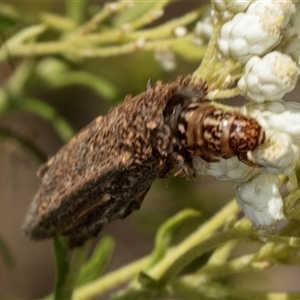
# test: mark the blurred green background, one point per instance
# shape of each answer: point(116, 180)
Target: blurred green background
point(32, 273)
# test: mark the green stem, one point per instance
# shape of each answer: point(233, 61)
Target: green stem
point(193, 240)
point(150, 15)
point(48, 48)
point(106, 12)
point(202, 72)
point(218, 291)
point(220, 255)
point(223, 94)
point(164, 234)
point(62, 269)
point(214, 72)
point(240, 264)
point(160, 32)
point(197, 251)
point(73, 45)
point(67, 270)
point(268, 255)
point(163, 272)
point(111, 280)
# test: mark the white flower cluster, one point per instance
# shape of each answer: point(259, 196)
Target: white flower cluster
point(265, 37)
point(268, 78)
point(255, 31)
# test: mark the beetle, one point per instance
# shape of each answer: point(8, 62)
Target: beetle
point(104, 172)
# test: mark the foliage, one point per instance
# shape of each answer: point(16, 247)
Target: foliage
point(54, 48)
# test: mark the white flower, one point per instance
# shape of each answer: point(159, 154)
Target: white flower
point(281, 122)
point(279, 116)
point(290, 43)
point(290, 14)
point(283, 10)
point(225, 169)
point(277, 155)
point(257, 188)
point(256, 31)
point(227, 9)
point(293, 27)
point(247, 35)
point(204, 29)
point(265, 37)
point(268, 78)
point(280, 155)
point(260, 200)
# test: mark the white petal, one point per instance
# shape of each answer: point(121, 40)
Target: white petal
point(282, 10)
point(280, 155)
point(225, 169)
point(247, 35)
point(279, 116)
point(268, 78)
point(260, 200)
point(227, 9)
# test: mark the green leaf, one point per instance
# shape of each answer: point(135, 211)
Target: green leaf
point(165, 232)
point(20, 78)
point(25, 35)
point(99, 85)
point(56, 74)
point(44, 110)
point(96, 264)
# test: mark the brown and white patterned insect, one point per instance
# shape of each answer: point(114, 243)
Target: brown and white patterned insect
point(105, 171)
point(208, 131)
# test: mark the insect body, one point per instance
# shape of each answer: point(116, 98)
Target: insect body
point(208, 131)
point(105, 171)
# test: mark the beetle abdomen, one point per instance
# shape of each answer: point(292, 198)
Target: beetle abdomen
point(208, 131)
